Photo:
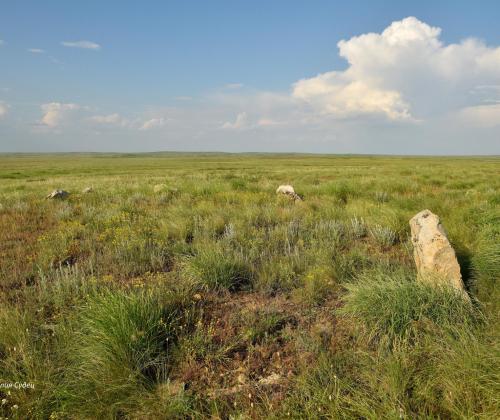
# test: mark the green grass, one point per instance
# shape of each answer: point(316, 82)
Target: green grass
point(216, 268)
point(121, 348)
point(395, 306)
point(182, 283)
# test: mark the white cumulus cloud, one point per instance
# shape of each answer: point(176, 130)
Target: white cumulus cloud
point(54, 113)
point(240, 122)
point(88, 45)
point(36, 50)
point(403, 73)
point(153, 123)
point(110, 119)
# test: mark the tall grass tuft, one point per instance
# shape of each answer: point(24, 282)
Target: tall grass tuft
point(485, 262)
point(383, 235)
point(214, 268)
point(120, 347)
point(395, 306)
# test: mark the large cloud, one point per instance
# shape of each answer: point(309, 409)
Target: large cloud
point(404, 73)
point(54, 113)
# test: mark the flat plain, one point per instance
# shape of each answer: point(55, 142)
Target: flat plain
point(183, 286)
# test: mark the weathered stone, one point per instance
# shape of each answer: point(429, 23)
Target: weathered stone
point(58, 194)
point(87, 190)
point(288, 190)
point(434, 256)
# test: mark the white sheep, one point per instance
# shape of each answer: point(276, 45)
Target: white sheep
point(58, 194)
point(288, 190)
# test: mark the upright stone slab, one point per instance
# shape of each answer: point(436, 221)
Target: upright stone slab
point(434, 256)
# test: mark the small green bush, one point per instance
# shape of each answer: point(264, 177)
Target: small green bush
point(317, 284)
point(346, 266)
point(357, 228)
point(216, 269)
point(383, 235)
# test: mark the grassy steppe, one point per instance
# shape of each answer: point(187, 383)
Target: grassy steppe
point(183, 287)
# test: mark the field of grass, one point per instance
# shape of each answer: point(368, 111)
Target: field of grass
point(183, 287)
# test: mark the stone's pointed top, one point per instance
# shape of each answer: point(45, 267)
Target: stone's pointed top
point(434, 256)
point(58, 194)
point(424, 213)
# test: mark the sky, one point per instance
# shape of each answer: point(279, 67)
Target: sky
point(376, 77)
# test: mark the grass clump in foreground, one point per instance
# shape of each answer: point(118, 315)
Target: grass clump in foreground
point(216, 269)
point(394, 305)
point(182, 287)
point(415, 350)
point(120, 347)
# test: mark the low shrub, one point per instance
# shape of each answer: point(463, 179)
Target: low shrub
point(357, 228)
point(317, 284)
point(216, 269)
point(384, 236)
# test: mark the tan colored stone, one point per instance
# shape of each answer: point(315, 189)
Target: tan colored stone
point(434, 256)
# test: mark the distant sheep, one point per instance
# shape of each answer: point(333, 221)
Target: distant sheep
point(288, 190)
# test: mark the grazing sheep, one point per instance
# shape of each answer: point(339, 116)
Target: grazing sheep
point(58, 194)
point(288, 190)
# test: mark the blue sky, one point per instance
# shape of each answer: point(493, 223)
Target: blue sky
point(250, 76)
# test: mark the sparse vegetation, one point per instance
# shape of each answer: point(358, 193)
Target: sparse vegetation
point(182, 286)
